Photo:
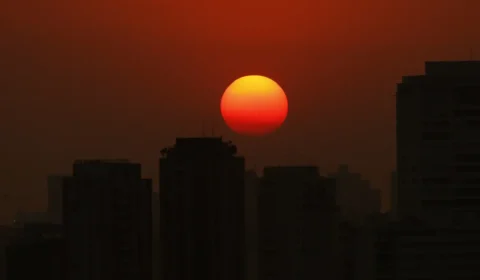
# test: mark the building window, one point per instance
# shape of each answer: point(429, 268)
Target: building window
point(466, 113)
point(468, 157)
point(437, 124)
point(473, 123)
point(435, 135)
point(467, 95)
point(467, 168)
point(436, 180)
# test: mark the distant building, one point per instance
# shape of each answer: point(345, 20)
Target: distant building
point(297, 225)
point(54, 208)
point(202, 204)
point(38, 252)
point(354, 195)
point(21, 218)
point(107, 217)
point(438, 142)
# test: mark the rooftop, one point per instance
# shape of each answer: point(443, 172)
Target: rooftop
point(101, 161)
point(452, 68)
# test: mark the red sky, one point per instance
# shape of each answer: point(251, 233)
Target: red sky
point(87, 79)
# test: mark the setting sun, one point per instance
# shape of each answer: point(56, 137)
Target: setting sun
point(254, 105)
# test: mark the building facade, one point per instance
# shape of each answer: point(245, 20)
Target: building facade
point(438, 142)
point(107, 220)
point(297, 225)
point(202, 202)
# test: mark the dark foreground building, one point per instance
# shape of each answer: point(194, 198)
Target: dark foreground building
point(438, 143)
point(38, 252)
point(107, 218)
point(297, 225)
point(202, 224)
point(414, 249)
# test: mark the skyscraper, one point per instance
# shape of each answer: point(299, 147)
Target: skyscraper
point(202, 225)
point(297, 225)
point(438, 141)
point(107, 220)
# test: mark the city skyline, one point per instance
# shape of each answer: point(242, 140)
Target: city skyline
point(117, 74)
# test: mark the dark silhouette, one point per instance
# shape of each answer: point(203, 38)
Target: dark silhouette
point(107, 219)
point(438, 142)
point(297, 217)
point(37, 252)
point(202, 223)
point(213, 220)
point(354, 196)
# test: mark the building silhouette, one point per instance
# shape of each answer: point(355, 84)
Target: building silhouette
point(202, 225)
point(252, 184)
point(436, 194)
point(297, 224)
point(37, 252)
point(414, 249)
point(438, 142)
point(354, 195)
point(107, 219)
point(22, 218)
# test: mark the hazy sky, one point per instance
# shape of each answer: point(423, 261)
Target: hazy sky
point(91, 79)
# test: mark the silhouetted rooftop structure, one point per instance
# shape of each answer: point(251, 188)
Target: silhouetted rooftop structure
point(200, 146)
point(106, 168)
point(452, 68)
point(101, 161)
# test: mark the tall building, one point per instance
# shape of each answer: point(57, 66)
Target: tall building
point(108, 221)
point(202, 204)
point(297, 225)
point(54, 204)
point(438, 142)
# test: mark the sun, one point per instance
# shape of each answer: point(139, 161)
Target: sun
point(254, 105)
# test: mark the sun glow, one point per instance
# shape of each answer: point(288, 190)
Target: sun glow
point(254, 105)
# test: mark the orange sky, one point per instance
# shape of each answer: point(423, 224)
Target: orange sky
point(83, 80)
